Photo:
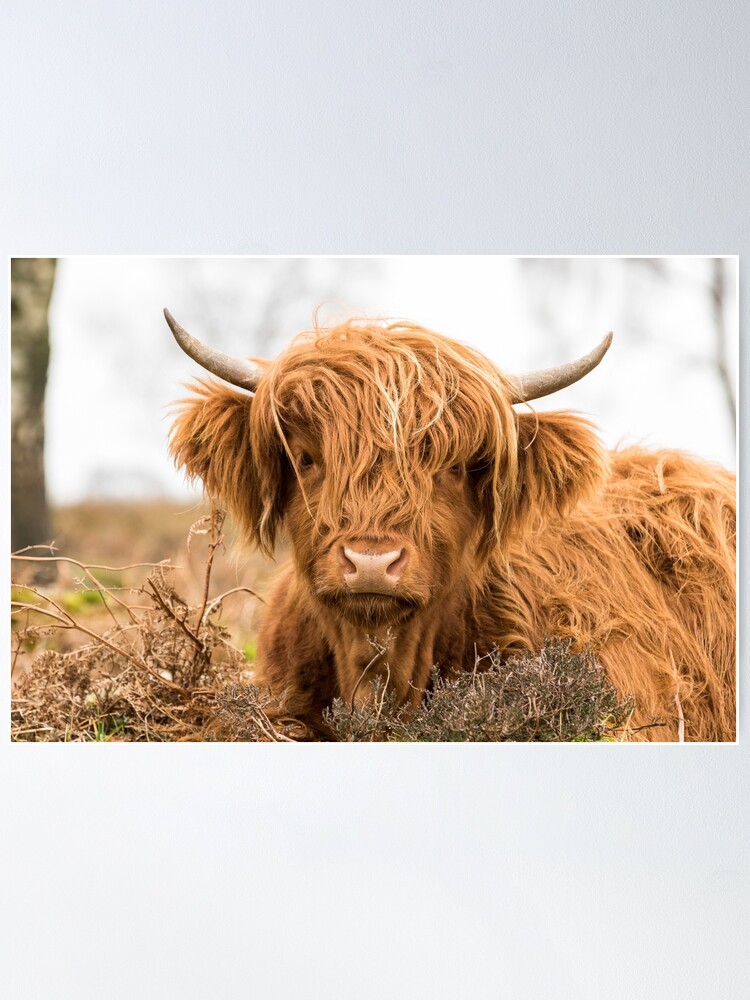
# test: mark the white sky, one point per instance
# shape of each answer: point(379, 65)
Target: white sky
point(115, 368)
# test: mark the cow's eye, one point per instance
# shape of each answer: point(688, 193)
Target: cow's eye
point(453, 473)
point(305, 460)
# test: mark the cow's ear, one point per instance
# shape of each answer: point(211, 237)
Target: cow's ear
point(560, 462)
point(211, 439)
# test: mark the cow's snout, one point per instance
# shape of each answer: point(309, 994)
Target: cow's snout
point(367, 570)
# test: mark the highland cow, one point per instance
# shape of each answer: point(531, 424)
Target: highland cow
point(431, 522)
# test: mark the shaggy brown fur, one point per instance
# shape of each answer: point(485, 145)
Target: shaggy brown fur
point(514, 527)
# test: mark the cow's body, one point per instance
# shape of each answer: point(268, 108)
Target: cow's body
point(430, 523)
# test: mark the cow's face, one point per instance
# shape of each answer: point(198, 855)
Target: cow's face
point(380, 560)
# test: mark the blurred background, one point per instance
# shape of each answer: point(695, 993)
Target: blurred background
point(95, 367)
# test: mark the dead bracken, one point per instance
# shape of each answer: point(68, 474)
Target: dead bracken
point(154, 674)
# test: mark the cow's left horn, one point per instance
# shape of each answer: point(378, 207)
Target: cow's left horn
point(236, 371)
point(534, 385)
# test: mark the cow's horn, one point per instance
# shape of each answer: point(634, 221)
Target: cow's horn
point(534, 385)
point(237, 371)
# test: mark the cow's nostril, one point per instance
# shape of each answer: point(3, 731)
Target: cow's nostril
point(345, 562)
point(396, 567)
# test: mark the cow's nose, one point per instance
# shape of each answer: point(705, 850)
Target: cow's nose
point(367, 571)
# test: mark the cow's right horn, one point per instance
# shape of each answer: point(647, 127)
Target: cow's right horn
point(236, 371)
point(534, 385)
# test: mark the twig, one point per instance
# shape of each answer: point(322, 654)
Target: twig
point(382, 697)
point(378, 656)
point(217, 520)
point(17, 556)
point(649, 725)
point(235, 590)
point(19, 643)
point(170, 611)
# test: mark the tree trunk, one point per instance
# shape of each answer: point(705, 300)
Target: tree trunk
point(31, 290)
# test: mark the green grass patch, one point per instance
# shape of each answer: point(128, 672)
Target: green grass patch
point(76, 601)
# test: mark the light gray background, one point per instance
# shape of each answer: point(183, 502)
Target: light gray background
point(195, 871)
